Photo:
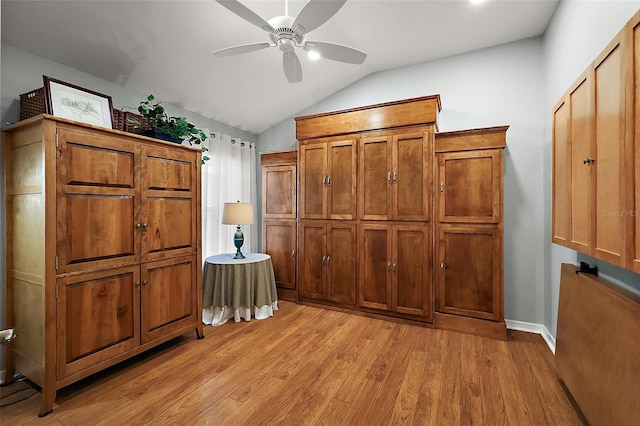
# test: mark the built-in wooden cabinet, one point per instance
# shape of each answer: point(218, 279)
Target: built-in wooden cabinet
point(328, 179)
point(395, 175)
point(469, 231)
point(328, 261)
point(595, 209)
point(112, 266)
point(393, 274)
point(279, 213)
point(426, 245)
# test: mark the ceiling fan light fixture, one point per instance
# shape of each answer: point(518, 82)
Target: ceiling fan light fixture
point(313, 55)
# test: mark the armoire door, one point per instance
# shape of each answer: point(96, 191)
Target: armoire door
point(411, 270)
point(279, 242)
point(168, 296)
point(98, 317)
point(411, 176)
point(341, 179)
point(374, 266)
point(341, 262)
point(313, 181)
point(97, 200)
point(279, 192)
point(312, 260)
point(469, 275)
point(374, 178)
point(470, 186)
point(169, 196)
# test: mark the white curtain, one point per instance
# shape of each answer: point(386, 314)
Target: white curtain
point(229, 176)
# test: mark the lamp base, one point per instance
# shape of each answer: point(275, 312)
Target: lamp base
point(238, 240)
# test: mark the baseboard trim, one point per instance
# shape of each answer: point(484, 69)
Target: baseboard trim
point(531, 327)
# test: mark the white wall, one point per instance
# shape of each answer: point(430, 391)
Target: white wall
point(578, 32)
point(495, 86)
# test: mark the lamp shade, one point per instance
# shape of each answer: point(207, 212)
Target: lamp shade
point(237, 214)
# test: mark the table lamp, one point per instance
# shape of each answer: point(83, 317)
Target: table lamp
point(237, 214)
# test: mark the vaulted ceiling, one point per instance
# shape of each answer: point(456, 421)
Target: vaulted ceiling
point(164, 47)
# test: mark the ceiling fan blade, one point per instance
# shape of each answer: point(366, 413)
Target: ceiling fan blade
point(336, 52)
point(243, 48)
point(247, 14)
point(292, 67)
point(314, 14)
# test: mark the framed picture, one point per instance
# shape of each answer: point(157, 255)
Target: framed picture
point(76, 103)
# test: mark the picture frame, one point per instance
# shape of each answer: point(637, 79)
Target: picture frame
point(76, 103)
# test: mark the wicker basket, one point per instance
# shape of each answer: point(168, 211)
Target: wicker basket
point(118, 119)
point(32, 103)
point(129, 126)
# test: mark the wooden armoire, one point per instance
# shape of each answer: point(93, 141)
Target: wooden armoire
point(279, 213)
point(399, 221)
point(103, 258)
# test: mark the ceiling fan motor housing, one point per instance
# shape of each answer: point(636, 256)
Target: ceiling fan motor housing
point(283, 35)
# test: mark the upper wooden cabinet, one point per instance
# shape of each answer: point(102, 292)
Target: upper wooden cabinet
point(328, 179)
point(395, 176)
point(120, 202)
point(469, 186)
point(595, 208)
point(279, 191)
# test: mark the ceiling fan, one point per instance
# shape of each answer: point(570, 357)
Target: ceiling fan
point(287, 33)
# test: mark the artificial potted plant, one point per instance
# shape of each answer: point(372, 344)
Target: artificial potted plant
point(165, 127)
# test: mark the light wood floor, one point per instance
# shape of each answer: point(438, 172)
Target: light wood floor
point(312, 366)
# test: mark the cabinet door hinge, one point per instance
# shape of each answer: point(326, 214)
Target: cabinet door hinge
point(56, 261)
point(56, 138)
point(441, 187)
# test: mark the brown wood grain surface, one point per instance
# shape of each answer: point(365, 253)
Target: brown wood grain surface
point(309, 366)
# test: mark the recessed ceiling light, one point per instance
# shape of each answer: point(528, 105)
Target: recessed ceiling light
point(477, 1)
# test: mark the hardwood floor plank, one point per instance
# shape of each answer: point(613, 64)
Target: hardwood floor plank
point(308, 366)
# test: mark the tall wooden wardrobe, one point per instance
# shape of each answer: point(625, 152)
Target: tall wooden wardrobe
point(399, 221)
point(103, 257)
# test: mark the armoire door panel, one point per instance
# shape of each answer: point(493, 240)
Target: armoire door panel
point(168, 296)
point(560, 220)
point(470, 274)
point(580, 136)
point(279, 242)
point(411, 270)
point(374, 266)
point(98, 317)
point(165, 172)
point(167, 225)
point(95, 228)
point(313, 167)
point(341, 263)
point(279, 192)
point(610, 184)
point(410, 176)
point(92, 165)
point(342, 179)
point(312, 278)
point(374, 184)
point(470, 186)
